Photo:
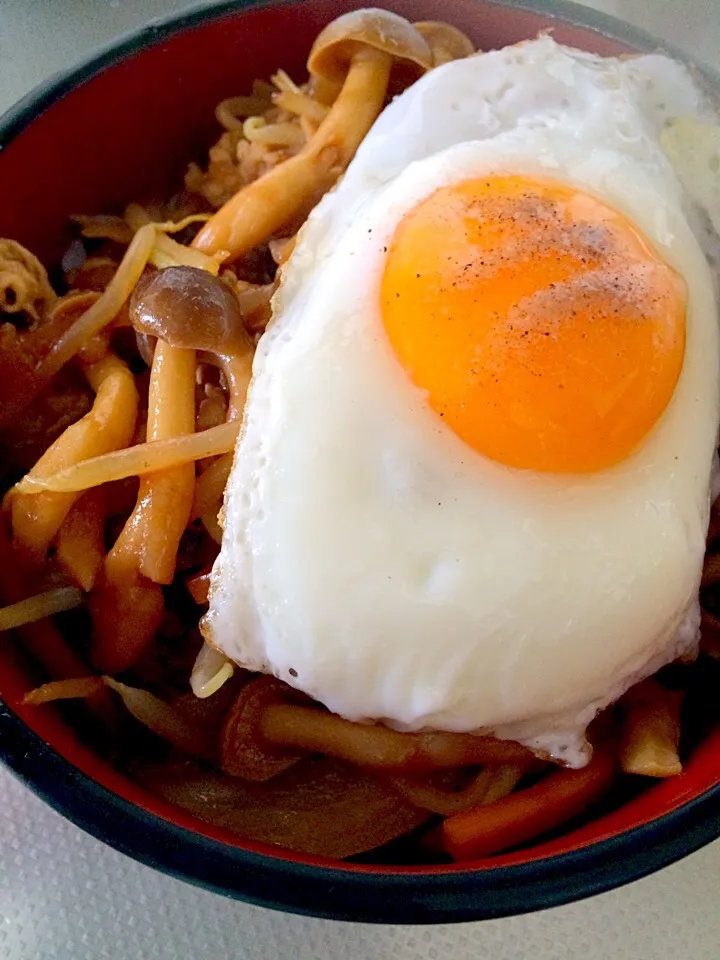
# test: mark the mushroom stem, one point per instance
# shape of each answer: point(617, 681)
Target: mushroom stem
point(377, 747)
point(165, 499)
point(238, 373)
point(324, 90)
point(272, 201)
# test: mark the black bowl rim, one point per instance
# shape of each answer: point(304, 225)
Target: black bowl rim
point(304, 888)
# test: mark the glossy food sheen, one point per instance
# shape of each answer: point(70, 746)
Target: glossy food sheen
point(390, 569)
point(546, 331)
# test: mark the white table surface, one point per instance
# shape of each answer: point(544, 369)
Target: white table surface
point(64, 895)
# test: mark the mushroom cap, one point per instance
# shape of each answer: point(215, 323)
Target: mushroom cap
point(243, 750)
point(379, 29)
point(445, 41)
point(188, 307)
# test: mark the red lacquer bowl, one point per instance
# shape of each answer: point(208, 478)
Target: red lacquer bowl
point(123, 125)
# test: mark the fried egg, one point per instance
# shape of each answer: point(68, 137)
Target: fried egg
point(472, 487)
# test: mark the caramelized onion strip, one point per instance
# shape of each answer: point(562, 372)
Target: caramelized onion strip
point(163, 719)
point(489, 785)
point(109, 426)
point(651, 731)
point(81, 538)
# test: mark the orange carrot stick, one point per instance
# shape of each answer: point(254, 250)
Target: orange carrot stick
point(531, 812)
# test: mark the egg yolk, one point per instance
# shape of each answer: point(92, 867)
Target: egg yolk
point(543, 327)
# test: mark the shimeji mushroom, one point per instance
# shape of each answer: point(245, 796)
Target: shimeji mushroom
point(445, 41)
point(335, 49)
point(271, 726)
point(350, 65)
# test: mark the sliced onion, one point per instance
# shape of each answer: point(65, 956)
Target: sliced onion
point(322, 807)
point(164, 720)
point(437, 795)
point(494, 783)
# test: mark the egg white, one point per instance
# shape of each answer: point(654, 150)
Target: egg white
point(369, 556)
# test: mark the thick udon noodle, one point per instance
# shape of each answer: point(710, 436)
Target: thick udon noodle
point(167, 411)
